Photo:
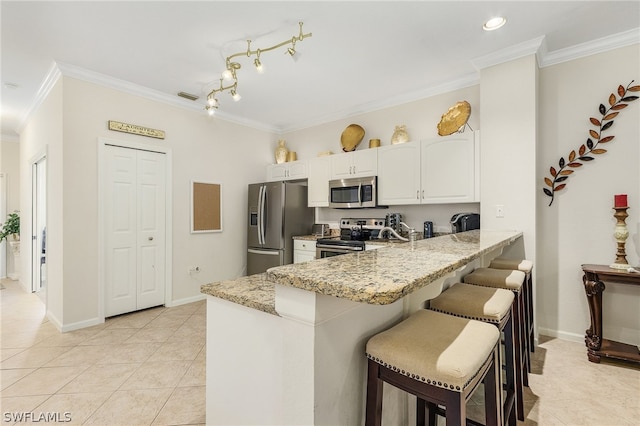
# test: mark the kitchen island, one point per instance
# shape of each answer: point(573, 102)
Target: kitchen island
point(287, 347)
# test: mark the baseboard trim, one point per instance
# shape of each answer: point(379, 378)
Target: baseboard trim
point(563, 335)
point(76, 325)
point(53, 320)
point(184, 301)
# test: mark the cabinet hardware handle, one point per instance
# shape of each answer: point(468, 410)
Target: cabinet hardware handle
point(417, 194)
point(150, 238)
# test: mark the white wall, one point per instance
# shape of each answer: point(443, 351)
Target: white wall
point(10, 167)
point(578, 227)
point(202, 149)
point(43, 133)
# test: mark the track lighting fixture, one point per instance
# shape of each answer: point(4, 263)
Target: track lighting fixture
point(229, 80)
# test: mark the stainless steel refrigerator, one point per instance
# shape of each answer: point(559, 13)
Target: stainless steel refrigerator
point(277, 212)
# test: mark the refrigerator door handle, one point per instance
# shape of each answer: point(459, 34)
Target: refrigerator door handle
point(260, 215)
point(268, 252)
point(263, 203)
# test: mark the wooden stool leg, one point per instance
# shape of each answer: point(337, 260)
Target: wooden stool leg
point(524, 339)
point(513, 393)
point(433, 413)
point(420, 412)
point(492, 391)
point(532, 343)
point(527, 322)
point(517, 357)
point(374, 395)
point(456, 406)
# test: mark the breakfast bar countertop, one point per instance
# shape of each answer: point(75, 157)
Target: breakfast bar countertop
point(382, 276)
point(253, 291)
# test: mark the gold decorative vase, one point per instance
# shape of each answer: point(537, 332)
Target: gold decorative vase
point(281, 152)
point(400, 135)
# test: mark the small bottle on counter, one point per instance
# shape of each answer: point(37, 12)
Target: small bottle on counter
point(413, 238)
point(428, 229)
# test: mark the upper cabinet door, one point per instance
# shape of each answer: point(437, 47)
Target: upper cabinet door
point(399, 174)
point(450, 169)
point(318, 183)
point(341, 166)
point(287, 171)
point(355, 164)
point(365, 162)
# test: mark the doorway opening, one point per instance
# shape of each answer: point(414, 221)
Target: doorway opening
point(3, 217)
point(39, 226)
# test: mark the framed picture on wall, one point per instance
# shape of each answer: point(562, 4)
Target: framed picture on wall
point(206, 207)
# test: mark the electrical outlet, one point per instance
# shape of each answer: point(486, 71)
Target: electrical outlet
point(499, 210)
point(193, 269)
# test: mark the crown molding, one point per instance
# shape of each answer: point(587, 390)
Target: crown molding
point(461, 83)
point(104, 80)
point(50, 79)
point(509, 54)
point(600, 45)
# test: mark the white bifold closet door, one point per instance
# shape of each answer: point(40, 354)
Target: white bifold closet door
point(134, 207)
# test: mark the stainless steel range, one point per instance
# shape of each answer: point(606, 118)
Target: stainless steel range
point(353, 234)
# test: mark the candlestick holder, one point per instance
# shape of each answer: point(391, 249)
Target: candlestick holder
point(621, 234)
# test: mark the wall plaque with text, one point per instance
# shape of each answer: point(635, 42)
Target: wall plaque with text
point(135, 129)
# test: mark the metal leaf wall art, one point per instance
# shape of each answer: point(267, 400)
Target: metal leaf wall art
point(557, 181)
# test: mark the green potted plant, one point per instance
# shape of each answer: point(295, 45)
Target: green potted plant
point(11, 227)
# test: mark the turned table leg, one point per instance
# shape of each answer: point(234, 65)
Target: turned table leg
point(593, 287)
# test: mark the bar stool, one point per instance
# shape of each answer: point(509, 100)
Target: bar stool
point(525, 266)
point(514, 281)
point(493, 306)
point(439, 358)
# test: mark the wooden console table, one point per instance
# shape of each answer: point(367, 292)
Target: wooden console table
point(597, 346)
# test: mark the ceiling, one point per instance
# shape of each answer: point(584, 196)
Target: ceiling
point(361, 56)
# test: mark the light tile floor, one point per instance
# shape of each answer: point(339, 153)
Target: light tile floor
point(566, 389)
point(144, 368)
point(148, 368)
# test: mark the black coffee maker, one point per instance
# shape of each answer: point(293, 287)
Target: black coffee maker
point(461, 222)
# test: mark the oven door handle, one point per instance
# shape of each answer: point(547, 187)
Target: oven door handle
point(338, 248)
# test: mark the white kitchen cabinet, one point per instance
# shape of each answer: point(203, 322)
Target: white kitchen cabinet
point(399, 174)
point(451, 169)
point(355, 164)
point(287, 171)
point(318, 182)
point(434, 171)
point(303, 251)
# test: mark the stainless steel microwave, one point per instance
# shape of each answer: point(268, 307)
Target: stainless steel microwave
point(353, 193)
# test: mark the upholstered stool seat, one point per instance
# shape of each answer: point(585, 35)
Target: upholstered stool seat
point(439, 358)
point(494, 306)
point(474, 302)
point(510, 280)
point(525, 266)
point(497, 278)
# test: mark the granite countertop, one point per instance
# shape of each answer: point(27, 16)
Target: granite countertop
point(308, 237)
point(387, 274)
point(376, 277)
point(253, 291)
